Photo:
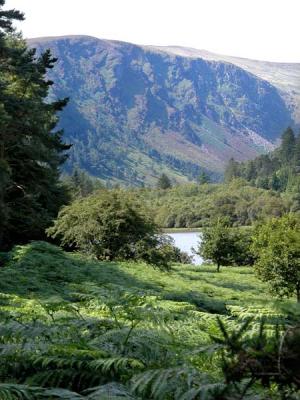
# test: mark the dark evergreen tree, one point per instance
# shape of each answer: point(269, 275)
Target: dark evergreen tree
point(81, 184)
point(278, 170)
point(287, 148)
point(203, 178)
point(232, 170)
point(164, 182)
point(31, 151)
point(297, 153)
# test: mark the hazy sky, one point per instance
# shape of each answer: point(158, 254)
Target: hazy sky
point(261, 29)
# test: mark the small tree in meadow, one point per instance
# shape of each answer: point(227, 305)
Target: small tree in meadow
point(218, 244)
point(110, 226)
point(276, 246)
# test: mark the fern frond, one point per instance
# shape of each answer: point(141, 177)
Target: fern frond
point(110, 391)
point(116, 365)
point(10, 391)
point(170, 383)
point(208, 391)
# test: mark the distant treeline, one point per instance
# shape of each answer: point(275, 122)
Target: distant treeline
point(194, 205)
point(278, 170)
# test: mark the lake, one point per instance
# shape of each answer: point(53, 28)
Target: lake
point(185, 241)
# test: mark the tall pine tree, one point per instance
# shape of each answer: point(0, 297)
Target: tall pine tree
point(287, 149)
point(31, 151)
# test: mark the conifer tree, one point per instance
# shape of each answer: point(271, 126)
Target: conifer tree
point(31, 151)
point(203, 178)
point(288, 142)
point(164, 182)
point(297, 152)
point(232, 170)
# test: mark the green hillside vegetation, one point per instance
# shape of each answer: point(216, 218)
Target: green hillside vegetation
point(278, 170)
point(195, 205)
point(107, 330)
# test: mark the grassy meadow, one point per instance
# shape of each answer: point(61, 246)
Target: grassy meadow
point(70, 322)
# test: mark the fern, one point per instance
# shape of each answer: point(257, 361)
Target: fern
point(9, 391)
point(175, 383)
point(72, 328)
point(110, 391)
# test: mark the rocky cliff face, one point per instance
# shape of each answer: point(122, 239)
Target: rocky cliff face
point(137, 111)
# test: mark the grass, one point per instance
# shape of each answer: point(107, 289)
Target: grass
point(56, 306)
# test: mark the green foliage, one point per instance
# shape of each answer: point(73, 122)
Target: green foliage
point(218, 244)
point(31, 150)
point(232, 170)
point(287, 148)
point(278, 170)
point(264, 358)
point(110, 226)
point(71, 327)
point(192, 205)
point(164, 182)
point(276, 245)
point(80, 184)
point(203, 178)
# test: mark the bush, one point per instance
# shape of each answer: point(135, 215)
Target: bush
point(276, 245)
point(226, 246)
point(243, 254)
point(110, 226)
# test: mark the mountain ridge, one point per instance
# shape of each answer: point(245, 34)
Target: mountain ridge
point(146, 111)
point(261, 68)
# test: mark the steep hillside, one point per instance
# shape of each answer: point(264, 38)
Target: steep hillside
point(137, 111)
point(284, 76)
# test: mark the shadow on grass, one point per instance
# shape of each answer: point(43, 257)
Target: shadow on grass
point(202, 301)
point(232, 285)
point(40, 270)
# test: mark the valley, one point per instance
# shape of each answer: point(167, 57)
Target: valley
point(138, 111)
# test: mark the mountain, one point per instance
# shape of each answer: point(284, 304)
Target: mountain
point(137, 111)
point(284, 76)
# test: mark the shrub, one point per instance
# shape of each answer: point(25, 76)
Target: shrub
point(276, 245)
point(110, 226)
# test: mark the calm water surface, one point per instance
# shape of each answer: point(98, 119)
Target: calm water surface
point(186, 241)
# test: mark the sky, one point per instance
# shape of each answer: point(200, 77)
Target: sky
point(257, 29)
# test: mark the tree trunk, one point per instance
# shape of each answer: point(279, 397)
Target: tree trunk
point(218, 267)
point(298, 294)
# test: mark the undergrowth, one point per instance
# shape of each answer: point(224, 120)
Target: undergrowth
point(73, 328)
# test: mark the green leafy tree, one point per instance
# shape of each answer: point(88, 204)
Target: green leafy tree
point(218, 244)
point(110, 226)
point(276, 246)
point(31, 150)
point(164, 182)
